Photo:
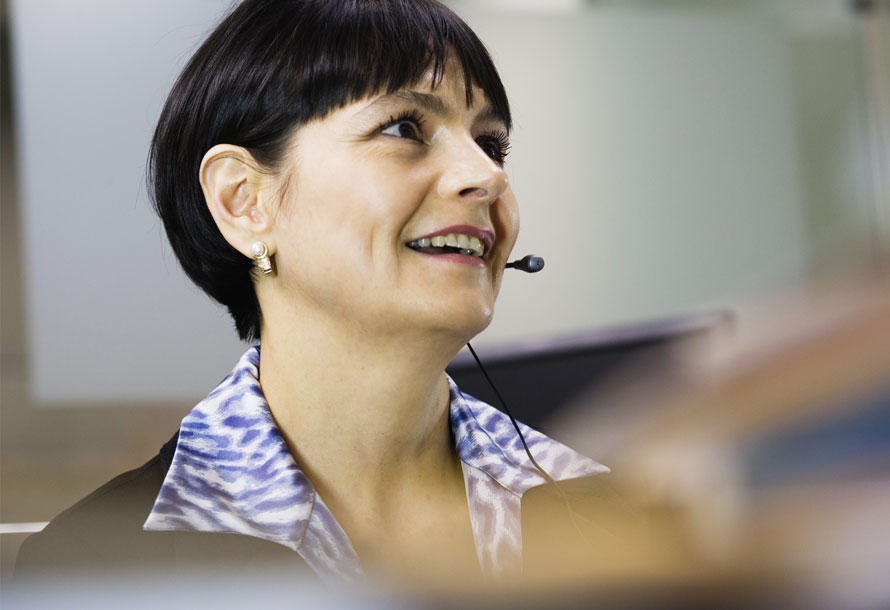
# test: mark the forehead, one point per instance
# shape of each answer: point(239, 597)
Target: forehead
point(453, 81)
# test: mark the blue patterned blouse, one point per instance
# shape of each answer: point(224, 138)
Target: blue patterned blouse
point(232, 473)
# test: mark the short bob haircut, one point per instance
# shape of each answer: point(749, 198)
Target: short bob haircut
point(268, 68)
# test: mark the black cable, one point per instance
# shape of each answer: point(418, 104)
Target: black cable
point(512, 419)
point(573, 514)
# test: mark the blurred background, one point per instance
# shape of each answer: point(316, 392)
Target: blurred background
point(682, 165)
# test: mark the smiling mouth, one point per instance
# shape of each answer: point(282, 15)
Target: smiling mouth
point(450, 243)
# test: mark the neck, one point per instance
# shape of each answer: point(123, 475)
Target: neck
point(363, 414)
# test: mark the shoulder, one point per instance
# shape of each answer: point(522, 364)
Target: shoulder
point(105, 531)
point(125, 499)
point(104, 526)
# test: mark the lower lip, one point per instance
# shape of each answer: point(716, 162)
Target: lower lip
point(463, 259)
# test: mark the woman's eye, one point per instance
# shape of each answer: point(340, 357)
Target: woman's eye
point(495, 145)
point(403, 128)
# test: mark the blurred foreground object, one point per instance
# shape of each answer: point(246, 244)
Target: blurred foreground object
point(761, 453)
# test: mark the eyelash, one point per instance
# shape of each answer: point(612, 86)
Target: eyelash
point(502, 145)
point(411, 116)
point(501, 141)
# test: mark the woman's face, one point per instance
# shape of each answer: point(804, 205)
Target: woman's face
point(374, 197)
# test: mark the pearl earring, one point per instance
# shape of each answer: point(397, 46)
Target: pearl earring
point(261, 258)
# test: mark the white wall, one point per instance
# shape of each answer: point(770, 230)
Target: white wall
point(654, 158)
point(655, 163)
point(110, 316)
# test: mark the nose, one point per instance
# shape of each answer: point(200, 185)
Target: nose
point(470, 175)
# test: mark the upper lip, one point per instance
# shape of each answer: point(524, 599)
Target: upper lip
point(486, 236)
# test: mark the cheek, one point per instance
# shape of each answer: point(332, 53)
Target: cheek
point(348, 224)
point(507, 218)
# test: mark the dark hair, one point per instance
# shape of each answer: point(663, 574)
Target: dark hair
point(269, 67)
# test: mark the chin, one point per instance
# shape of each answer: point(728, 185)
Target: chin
point(463, 316)
point(469, 323)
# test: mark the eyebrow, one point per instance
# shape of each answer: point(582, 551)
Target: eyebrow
point(433, 104)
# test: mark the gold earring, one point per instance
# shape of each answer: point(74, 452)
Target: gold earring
point(261, 258)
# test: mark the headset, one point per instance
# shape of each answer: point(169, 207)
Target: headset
point(530, 264)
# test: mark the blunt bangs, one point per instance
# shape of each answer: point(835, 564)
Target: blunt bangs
point(383, 46)
point(271, 66)
point(314, 56)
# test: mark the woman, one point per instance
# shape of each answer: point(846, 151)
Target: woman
point(332, 171)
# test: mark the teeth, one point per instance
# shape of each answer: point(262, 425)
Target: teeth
point(471, 246)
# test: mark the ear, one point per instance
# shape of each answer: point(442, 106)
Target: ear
point(235, 195)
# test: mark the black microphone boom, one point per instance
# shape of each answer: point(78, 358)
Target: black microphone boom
point(528, 263)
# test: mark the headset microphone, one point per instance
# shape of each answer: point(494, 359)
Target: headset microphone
point(528, 263)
